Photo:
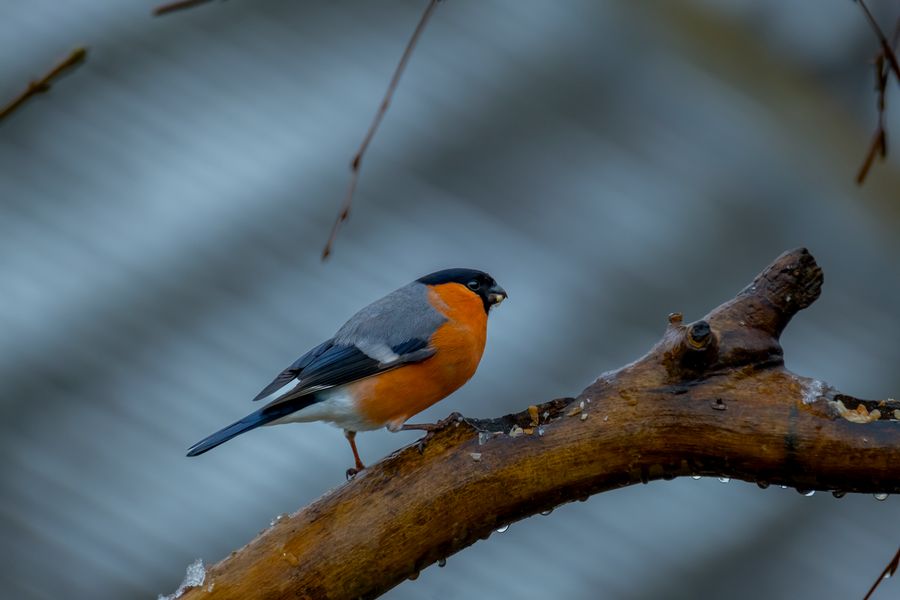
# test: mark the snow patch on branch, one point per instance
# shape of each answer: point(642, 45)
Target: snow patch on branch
point(813, 390)
point(193, 577)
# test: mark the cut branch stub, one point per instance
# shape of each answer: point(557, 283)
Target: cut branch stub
point(711, 398)
point(753, 321)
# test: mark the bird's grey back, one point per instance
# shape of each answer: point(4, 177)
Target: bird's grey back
point(402, 315)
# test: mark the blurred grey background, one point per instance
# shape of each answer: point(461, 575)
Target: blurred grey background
point(163, 209)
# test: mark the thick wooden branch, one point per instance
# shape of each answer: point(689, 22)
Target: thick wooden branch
point(711, 398)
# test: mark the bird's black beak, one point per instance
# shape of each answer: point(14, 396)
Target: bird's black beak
point(496, 295)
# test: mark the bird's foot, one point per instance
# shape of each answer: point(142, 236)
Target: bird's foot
point(428, 427)
point(454, 417)
point(354, 471)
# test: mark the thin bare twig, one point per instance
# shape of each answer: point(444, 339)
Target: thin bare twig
point(164, 9)
point(885, 64)
point(886, 48)
point(382, 110)
point(889, 570)
point(43, 84)
point(878, 146)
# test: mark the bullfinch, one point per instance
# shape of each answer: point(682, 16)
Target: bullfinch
point(390, 361)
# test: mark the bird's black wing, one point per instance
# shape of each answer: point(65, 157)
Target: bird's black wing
point(294, 371)
point(339, 365)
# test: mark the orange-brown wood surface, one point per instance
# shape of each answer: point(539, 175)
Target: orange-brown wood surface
point(711, 398)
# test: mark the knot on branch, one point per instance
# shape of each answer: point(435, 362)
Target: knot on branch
point(691, 349)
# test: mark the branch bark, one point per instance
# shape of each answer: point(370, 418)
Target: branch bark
point(711, 398)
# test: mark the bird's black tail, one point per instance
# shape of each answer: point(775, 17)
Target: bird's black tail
point(251, 421)
point(263, 416)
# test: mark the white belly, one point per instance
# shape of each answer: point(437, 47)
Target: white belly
point(336, 407)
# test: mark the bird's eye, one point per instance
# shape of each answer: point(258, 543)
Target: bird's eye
point(473, 285)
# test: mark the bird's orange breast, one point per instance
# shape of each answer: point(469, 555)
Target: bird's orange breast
point(394, 396)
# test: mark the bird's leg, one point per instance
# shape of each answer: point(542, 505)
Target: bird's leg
point(351, 437)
